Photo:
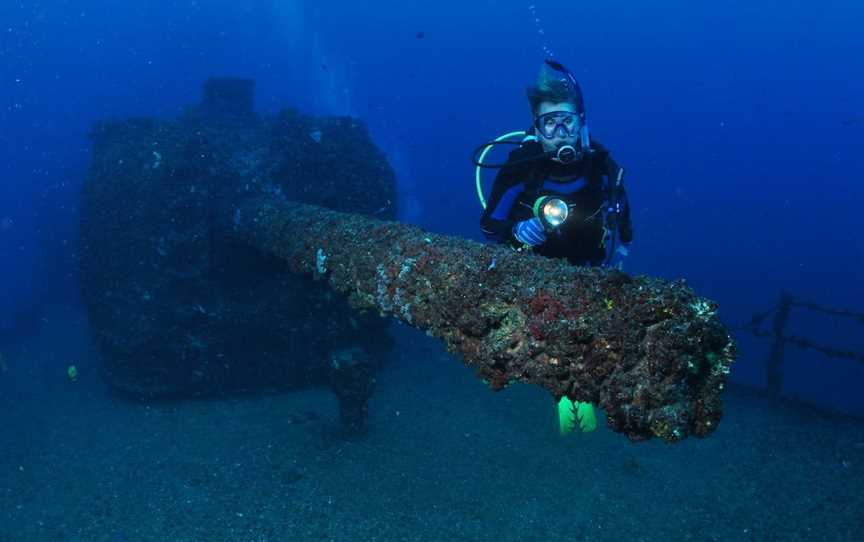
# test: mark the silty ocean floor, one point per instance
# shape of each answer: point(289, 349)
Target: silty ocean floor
point(446, 459)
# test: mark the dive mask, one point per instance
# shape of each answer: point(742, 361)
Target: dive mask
point(558, 123)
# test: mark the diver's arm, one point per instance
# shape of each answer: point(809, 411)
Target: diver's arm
point(612, 170)
point(495, 223)
point(624, 233)
point(625, 226)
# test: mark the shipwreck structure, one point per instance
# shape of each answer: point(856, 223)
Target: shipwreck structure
point(223, 252)
point(177, 306)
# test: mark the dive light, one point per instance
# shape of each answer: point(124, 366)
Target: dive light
point(552, 211)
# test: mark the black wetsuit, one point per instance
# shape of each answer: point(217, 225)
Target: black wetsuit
point(584, 239)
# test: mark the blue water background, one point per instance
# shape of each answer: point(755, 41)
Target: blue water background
point(741, 124)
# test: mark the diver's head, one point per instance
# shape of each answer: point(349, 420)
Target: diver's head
point(557, 125)
point(559, 113)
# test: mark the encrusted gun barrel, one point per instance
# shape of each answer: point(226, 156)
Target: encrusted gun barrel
point(651, 353)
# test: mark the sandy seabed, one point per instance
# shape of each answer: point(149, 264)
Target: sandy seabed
point(445, 460)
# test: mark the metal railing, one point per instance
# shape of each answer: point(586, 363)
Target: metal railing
point(780, 339)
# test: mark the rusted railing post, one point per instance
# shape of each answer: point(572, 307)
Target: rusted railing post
point(774, 365)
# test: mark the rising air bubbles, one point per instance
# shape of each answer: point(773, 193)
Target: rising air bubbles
point(547, 52)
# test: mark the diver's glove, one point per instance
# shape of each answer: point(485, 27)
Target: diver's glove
point(618, 257)
point(530, 232)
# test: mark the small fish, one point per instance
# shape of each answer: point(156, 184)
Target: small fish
point(316, 135)
point(6, 223)
point(421, 35)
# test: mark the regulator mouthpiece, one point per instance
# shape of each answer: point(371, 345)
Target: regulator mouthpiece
point(567, 154)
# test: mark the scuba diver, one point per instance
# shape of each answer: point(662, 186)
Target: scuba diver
point(560, 193)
